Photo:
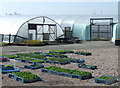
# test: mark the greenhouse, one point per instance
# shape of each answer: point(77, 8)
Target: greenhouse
point(50, 28)
point(20, 28)
point(89, 27)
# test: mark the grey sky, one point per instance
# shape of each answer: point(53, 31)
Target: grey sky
point(60, 8)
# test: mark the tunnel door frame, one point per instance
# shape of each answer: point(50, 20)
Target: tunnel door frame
point(105, 22)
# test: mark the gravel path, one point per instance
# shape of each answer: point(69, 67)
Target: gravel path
point(106, 60)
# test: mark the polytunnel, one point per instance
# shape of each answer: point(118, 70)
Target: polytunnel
point(80, 27)
point(20, 28)
point(115, 33)
point(74, 26)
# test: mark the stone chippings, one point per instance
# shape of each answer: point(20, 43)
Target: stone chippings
point(106, 60)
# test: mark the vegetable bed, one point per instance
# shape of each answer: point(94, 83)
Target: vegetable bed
point(87, 66)
point(61, 51)
point(30, 60)
point(67, 72)
point(35, 66)
point(83, 53)
point(24, 54)
point(24, 76)
point(55, 60)
point(10, 56)
point(106, 79)
point(55, 55)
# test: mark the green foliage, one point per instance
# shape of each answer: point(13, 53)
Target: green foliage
point(3, 44)
point(62, 51)
point(26, 75)
point(84, 65)
point(33, 42)
point(29, 59)
point(38, 56)
point(83, 52)
point(62, 60)
point(9, 66)
point(10, 56)
point(24, 54)
point(26, 58)
point(76, 72)
point(61, 55)
point(105, 77)
point(37, 61)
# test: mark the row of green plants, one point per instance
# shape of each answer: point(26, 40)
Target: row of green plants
point(32, 55)
point(38, 56)
point(62, 60)
point(75, 72)
point(83, 52)
point(62, 51)
point(8, 66)
point(10, 56)
point(104, 77)
point(33, 42)
point(24, 54)
point(33, 60)
point(89, 66)
point(26, 75)
point(55, 54)
point(36, 65)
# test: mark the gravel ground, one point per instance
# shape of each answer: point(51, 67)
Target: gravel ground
point(106, 60)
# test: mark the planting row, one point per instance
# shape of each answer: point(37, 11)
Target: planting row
point(35, 66)
point(26, 76)
point(55, 55)
point(70, 51)
point(67, 72)
point(87, 66)
point(38, 58)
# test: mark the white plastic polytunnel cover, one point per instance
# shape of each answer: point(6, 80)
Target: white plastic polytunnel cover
point(19, 28)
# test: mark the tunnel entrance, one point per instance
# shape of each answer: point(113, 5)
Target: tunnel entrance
point(101, 29)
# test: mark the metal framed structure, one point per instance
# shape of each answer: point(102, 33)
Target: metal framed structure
point(101, 28)
point(51, 30)
point(29, 27)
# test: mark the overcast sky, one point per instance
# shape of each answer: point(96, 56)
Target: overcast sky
point(59, 7)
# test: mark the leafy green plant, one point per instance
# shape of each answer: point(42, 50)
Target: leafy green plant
point(26, 58)
point(37, 61)
point(3, 44)
point(70, 71)
point(83, 52)
point(33, 42)
point(38, 56)
point(62, 60)
point(61, 55)
point(62, 51)
point(105, 77)
point(26, 75)
point(24, 54)
point(8, 66)
point(10, 56)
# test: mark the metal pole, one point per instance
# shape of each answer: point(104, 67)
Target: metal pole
point(36, 31)
point(9, 38)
